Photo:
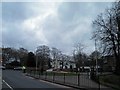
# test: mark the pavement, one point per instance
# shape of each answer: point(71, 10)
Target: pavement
point(12, 80)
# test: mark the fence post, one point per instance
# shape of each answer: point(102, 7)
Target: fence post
point(45, 75)
point(78, 79)
point(27, 71)
point(64, 77)
point(98, 82)
point(30, 72)
point(39, 73)
point(34, 73)
point(53, 76)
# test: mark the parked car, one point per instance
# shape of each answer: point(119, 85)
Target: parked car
point(18, 68)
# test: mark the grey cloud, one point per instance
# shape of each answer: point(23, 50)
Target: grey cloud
point(13, 11)
point(70, 25)
point(73, 11)
point(75, 21)
point(67, 11)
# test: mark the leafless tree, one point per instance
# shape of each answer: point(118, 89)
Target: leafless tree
point(107, 31)
point(56, 55)
point(23, 55)
point(78, 54)
point(43, 56)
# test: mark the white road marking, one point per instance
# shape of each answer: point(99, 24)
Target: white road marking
point(7, 84)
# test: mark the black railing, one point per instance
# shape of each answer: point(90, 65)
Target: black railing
point(80, 80)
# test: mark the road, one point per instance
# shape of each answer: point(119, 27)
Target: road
point(0, 78)
point(13, 80)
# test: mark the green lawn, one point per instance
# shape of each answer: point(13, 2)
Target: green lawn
point(110, 80)
point(57, 73)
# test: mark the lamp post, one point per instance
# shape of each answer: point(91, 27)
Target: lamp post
point(36, 61)
point(96, 57)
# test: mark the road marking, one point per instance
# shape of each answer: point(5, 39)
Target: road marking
point(7, 84)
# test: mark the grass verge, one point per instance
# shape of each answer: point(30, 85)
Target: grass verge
point(110, 80)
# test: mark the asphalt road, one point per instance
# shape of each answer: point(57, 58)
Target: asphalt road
point(13, 80)
point(0, 79)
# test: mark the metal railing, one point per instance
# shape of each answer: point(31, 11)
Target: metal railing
point(79, 80)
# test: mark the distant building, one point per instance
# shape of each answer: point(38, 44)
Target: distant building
point(61, 65)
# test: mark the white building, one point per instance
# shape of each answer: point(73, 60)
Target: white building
point(62, 64)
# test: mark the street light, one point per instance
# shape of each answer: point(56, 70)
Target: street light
point(96, 56)
point(36, 61)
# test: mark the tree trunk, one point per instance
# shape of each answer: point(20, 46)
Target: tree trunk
point(117, 69)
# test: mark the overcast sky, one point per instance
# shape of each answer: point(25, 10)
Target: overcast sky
point(56, 24)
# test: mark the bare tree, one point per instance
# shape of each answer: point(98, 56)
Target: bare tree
point(23, 55)
point(56, 55)
point(78, 54)
point(6, 54)
point(43, 56)
point(107, 31)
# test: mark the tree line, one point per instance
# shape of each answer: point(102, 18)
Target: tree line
point(43, 56)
